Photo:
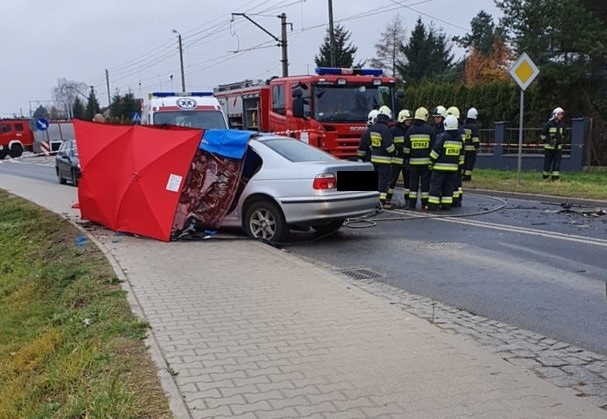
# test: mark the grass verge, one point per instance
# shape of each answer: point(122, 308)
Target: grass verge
point(69, 343)
point(585, 185)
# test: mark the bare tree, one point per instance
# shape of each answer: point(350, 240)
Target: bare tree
point(66, 91)
point(389, 48)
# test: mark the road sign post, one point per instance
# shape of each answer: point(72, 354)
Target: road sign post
point(523, 71)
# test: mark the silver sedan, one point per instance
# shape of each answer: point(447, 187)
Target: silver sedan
point(291, 184)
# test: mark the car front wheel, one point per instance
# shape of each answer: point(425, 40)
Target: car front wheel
point(265, 221)
point(74, 178)
point(61, 178)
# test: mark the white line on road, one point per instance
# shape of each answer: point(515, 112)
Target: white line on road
point(515, 229)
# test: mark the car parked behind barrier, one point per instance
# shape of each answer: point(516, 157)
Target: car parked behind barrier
point(67, 163)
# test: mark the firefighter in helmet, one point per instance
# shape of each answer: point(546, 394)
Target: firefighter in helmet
point(364, 147)
point(439, 114)
point(382, 150)
point(447, 157)
point(418, 144)
point(552, 135)
point(472, 142)
point(399, 163)
point(458, 192)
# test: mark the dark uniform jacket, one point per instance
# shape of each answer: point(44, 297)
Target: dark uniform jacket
point(419, 139)
point(472, 139)
point(552, 134)
point(447, 152)
point(364, 147)
point(398, 132)
point(382, 143)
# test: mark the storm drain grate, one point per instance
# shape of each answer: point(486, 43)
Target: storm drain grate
point(360, 273)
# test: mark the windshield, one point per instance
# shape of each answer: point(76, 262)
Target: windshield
point(191, 119)
point(296, 151)
point(348, 103)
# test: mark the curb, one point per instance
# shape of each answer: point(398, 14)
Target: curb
point(176, 403)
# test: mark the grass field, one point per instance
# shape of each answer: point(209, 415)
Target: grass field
point(588, 185)
point(69, 343)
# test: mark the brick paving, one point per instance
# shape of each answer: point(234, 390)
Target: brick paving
point(240, 329)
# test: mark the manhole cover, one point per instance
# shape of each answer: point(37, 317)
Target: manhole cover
point(360, 273)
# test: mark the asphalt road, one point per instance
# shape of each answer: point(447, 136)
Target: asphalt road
point(534, 265)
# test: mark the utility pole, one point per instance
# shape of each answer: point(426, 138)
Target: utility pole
point(331, 33)
point(281, 42)
point(181, 60)
point(107, 82)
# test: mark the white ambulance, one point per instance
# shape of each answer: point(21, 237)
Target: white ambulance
point(190, 109)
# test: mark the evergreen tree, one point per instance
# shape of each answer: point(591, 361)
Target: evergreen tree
point(389, 50)
point(122, 107)
point(344, 50)
point(482, 34)
point(427, 54)
point(92, 106)
point(78, 109)
point(41, 112)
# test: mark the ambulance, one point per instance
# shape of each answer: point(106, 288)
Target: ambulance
point(189, 109)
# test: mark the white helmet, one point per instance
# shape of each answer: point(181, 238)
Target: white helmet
point(404, 115)
point(451, 123)
point(384, 110)
point(453, 110)
point(439, 111)
point(557, 111)
point(372, 116)
point(472, 113)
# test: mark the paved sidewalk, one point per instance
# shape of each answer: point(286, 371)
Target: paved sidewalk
point(251, 331)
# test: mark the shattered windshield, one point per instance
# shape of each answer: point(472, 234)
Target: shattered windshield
point(348, 103)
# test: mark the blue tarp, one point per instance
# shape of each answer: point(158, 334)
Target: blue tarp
point(226, 142)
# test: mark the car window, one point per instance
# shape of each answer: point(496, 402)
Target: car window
point(297, 151)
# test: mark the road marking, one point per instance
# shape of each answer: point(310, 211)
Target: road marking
point(514, 229)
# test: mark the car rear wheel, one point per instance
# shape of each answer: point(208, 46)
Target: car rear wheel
point(265, 221)
point(329, 226)
point(3, 154)
point(74, 178)
point(16, 150)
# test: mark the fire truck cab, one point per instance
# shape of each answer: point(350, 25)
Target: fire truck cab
point(328, 109)
point(189, 109)
point(16, 136)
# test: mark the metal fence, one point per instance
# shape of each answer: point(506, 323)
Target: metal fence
point(499, 147)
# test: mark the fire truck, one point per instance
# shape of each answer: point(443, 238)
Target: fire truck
point(328, 109)
point(187, 109)
point(16, 136)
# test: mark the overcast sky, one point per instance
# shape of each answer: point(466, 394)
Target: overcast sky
point(77, 40)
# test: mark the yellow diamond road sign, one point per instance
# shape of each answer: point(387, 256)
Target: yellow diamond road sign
point(524, 71)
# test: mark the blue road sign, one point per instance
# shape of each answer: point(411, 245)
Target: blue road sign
point(42, 124)
point(136, 117)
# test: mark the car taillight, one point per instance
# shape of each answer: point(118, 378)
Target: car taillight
point(324, 181)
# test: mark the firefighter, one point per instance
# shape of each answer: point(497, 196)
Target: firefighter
point(458, 193)
point(382, 150)
point(399, 163)
point(552, 135)
point(439, 113)
point(447, 157)
point(364, 147)
point(418, 144)
point(472, 143)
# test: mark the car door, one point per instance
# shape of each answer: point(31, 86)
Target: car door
point(62, 161)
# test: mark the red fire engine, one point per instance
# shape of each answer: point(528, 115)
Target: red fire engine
point(16, 136)
point(328, 109)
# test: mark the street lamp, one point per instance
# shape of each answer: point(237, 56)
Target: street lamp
point(181, 60)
